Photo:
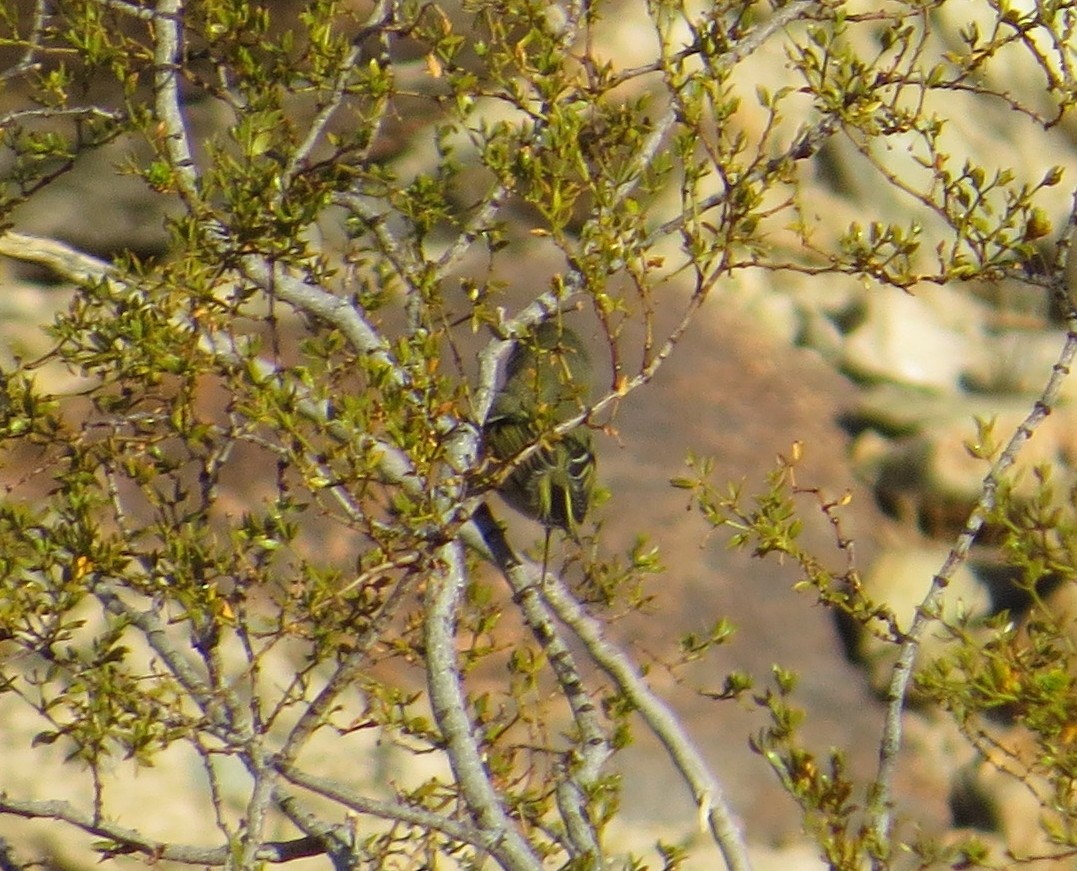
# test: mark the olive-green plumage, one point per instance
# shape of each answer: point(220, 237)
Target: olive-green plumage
point(547, 381)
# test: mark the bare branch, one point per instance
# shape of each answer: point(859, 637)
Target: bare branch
point(130, 9)
point(581, 768)
point(406, 262)
point(706, 790)
point(33, 42)
point(131, 841)
point(84, 269)
point(492, 201)
point(418, 817)
point(167, 48)
point(62, 259)
point(78, 112)
point(447, 702)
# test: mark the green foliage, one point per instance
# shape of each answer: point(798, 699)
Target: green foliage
point(238, 484)
point(1007, 681)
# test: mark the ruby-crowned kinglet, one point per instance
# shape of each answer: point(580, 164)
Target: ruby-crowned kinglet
point(547, 381)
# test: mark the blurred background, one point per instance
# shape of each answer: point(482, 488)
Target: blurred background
point(880, 386)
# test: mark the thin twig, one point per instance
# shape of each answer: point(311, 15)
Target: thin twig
point(418, 817)
point(132, 841)
point(494, 199)
point(153, 630)
point(378, 17)
point(33, 42)
point(347, 669)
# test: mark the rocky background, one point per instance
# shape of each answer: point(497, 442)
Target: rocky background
point(880, 386)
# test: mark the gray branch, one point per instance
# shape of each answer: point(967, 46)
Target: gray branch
point(448, 704)
point(132, 841)
point(593, 748)
point(418, 817)
point(709, 796)
point(166, 55)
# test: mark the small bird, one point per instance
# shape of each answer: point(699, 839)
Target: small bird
point(547, 381)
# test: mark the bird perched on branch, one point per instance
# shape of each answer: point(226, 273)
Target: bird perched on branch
point(547, 382)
